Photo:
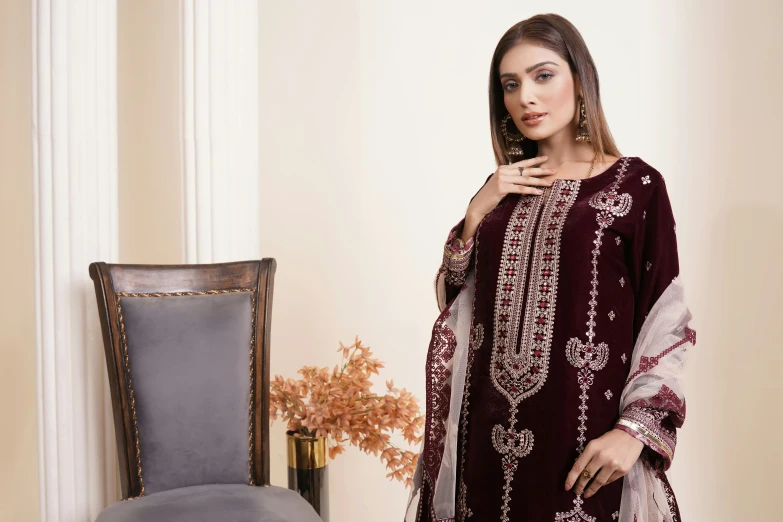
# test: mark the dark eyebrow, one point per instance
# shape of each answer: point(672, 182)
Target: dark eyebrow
point(532, 67)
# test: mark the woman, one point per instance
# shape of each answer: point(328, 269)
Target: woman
point(555, 366)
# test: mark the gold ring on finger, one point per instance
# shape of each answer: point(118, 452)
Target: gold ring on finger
point(586, 474)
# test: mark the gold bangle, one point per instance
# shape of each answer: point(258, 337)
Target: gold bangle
point(643, 431)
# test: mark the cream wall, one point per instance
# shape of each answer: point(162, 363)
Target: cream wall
point(729, 72)
point(373, 137)
point(18, 409)
point(148, 125)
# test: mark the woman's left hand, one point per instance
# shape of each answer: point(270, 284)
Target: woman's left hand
point(607, 459)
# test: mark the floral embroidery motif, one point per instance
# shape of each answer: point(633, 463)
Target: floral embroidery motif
point(611, 315)
point(576, 514)
point(513, 446)
point(646, 180)
point(624, 358)
point(510, 466)
point(509, 442)
point(649, 265)
point(615, 515)
point(610, 203)
point(519, 369)
point(644, 214)
point(608, 394)
point(617, 240)
point(646, 363)
point(476, 337)
point(590, 357)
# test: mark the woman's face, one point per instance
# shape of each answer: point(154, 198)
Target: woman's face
point(536, 80)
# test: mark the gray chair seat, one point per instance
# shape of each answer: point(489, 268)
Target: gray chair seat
point(214, 503)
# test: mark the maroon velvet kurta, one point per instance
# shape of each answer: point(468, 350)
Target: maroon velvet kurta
point(563, 284)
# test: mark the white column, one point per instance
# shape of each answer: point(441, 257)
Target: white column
point(75, 171)
point(220, 166)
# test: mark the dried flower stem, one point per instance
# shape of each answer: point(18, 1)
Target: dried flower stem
point(339, 405)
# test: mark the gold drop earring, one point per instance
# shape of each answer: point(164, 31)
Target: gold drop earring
point(582, 135)
point(511, 138)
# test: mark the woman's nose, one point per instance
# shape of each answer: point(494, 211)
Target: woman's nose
point(525, 95)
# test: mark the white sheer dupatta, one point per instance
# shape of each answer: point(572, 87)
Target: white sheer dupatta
point(658, 361)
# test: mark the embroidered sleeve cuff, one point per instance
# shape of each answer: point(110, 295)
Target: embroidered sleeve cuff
point(457, 256)
point(648, 436)
point(454, 244)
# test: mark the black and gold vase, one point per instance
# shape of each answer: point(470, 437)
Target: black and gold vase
point(307, 471)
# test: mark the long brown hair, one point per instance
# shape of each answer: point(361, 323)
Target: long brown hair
point(557, 34)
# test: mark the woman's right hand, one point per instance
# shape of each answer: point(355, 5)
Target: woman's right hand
point(508, 179)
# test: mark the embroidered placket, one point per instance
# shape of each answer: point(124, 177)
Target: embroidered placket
point(530, 255)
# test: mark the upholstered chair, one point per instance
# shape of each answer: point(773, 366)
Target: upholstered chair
point(187, 352)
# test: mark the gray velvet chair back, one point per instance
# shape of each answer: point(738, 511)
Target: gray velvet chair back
point(187, 353)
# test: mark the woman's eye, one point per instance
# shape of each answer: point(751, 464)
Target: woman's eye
point(509, 84)
point(544, 76)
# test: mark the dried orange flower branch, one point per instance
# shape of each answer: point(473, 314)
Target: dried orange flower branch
point(340, 405)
